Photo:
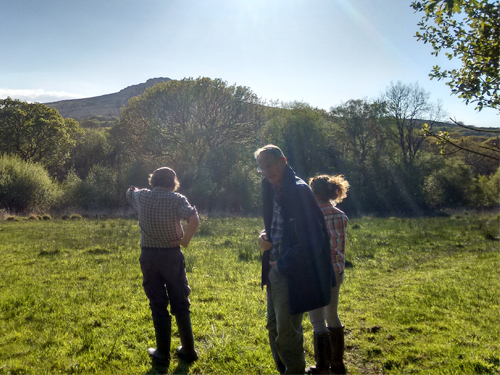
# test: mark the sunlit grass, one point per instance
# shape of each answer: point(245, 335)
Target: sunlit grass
point(420, 296)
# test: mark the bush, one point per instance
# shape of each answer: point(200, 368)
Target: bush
point(489, 190)
point(25, 186)
point(452, 185)
point(99, 188)
point(71, 191)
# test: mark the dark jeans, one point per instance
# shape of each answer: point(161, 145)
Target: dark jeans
point(165, 280)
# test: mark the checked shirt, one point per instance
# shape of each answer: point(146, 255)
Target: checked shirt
point(277, 232)
point(160, 212)
point(336, 222)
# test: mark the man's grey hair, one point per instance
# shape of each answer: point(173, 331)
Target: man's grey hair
point(270, 150)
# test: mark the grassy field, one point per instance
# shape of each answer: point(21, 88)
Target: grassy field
point(420, 296)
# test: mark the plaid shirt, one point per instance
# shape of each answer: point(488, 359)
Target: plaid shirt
point(276, 232)
point(336, 222)
point(160, 212)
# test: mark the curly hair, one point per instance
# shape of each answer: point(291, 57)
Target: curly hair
point(329, 188)
point(164, 177)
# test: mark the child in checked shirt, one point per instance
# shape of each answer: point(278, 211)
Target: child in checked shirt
point(329, 340)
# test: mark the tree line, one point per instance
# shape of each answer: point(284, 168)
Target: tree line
point(207, 130)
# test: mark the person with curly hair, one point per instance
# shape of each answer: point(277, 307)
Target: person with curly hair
point(327, 327)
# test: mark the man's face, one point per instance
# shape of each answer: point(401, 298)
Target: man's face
point(272, 168)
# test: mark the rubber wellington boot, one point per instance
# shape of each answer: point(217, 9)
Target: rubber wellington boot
point(337, 338)
point(186, 351)
point(322, 354)
point(163, 329)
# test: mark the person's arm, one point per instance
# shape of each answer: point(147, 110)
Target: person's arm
point(130, 195)
point(192, 226)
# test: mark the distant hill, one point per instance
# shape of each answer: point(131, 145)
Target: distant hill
point(108, 105)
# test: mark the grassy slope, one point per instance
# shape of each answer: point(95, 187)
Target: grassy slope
point(420, 296)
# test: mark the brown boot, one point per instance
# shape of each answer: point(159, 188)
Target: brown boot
point(337, 339)
point(322, 354)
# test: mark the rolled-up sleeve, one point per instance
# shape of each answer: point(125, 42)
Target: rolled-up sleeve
point(185, 209)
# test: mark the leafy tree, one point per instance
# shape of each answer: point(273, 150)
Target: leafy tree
point(36, 133)
point(359, 127)
point(92, 148)
point(203, 128)
point(470, 31)
point(301, 132)
point(358, 133)
point(183, 121)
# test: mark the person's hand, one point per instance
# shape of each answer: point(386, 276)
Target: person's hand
point(184, 242)
point(264, 243)
point(274, 264)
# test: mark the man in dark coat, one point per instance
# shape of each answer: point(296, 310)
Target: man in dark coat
point(296, 266)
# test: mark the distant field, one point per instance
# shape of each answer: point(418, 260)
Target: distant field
point(421, 296)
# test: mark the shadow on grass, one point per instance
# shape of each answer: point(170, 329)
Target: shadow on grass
point(182, 368)
point(157, 369)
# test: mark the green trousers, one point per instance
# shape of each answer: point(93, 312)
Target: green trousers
point(285, 331)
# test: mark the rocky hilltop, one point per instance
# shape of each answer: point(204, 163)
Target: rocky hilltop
point(108, 105)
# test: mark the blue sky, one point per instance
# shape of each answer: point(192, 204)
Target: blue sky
point(322, 52)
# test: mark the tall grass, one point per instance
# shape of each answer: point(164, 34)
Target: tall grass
point(420, 296)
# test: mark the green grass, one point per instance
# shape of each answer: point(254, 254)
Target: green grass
point(420, 296)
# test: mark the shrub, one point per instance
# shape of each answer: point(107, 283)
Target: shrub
point(452, 185)
point(25, 186)
point(71, 191)
point(99, 188)
point(489, 190)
